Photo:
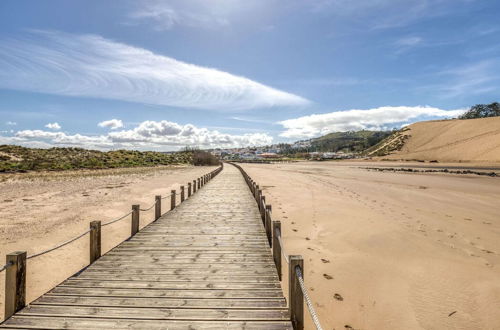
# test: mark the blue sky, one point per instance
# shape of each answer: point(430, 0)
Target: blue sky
point(160, 75)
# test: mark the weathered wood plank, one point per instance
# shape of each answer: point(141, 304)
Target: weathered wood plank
point(157, 313)
point(50, 299)
point(30, 322)
point(148, 293)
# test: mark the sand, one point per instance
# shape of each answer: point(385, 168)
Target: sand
point(40, 210)
point(472, 140)
point(387, 250)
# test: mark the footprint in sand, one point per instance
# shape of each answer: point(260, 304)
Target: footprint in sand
point(325, 261)
point(328, 277)
point(338, 297)
point(295, 230)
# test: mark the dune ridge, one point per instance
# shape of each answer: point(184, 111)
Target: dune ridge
point(472, 140)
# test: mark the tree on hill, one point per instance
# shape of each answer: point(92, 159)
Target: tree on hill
point(482, 111)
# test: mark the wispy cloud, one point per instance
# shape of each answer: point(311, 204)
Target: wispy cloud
point(385, 14)
point(355, 119)
point(475, 78)
point(148, 135)
point(112, 124)
point(165, 16)
point(92, 66)
point(53, 126)
point(11, 123)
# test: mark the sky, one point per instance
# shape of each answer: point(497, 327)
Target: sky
point(163, 75)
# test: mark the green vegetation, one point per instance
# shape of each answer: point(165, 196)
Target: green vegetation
point(482, 111)
point(20, 159)
point(394, 142)
point(348, 141)
point(354, 141)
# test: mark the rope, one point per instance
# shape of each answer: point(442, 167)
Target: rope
point(60, 245)
point(149, 208)
point(113, 221)
point(4, 267)
point(310, 306)
point(282, 247)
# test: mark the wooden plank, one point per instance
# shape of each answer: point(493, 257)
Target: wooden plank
point(167, 285)
point(30, 322)
point(168, 293)
point(50, 299)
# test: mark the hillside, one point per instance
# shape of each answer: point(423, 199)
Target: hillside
point(354, 141)
point(18, 159)
point(472, 140)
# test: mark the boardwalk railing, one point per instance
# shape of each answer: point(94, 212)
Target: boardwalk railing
point(15, 267)
point(297, 291)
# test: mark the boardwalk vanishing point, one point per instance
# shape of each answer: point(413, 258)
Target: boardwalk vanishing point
point(204, 265)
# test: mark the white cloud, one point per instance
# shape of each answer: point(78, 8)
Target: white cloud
point(409, 41)
point(112, 124)
point(92, 66)
point(11, 123)
point(53, 126)
point(386, 14)
point(350, 120)
point(148, 135)
point(475, 78)
point(165, 16)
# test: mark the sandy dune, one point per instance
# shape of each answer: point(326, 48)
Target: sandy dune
point(472, 140)
point(42, 210)
point(391, 250)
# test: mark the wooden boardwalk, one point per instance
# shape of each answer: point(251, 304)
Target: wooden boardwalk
point(204, 265)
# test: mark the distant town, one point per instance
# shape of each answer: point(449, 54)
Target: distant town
point(298, 150)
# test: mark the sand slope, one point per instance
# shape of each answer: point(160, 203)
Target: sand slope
point(470, 140)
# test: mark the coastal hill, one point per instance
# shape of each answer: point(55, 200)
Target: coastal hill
point(471, 140)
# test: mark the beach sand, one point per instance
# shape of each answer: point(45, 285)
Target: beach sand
point(41, 210)
point(387, 250)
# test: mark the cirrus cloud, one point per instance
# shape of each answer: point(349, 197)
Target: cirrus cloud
point(92, 66)
point(355, 119)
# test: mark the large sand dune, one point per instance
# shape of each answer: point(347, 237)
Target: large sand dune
point(472, 140)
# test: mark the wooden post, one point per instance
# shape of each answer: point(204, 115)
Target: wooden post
point(277, 246)
point(257, 193)
point(157, 207)
point(95, 241)
point(295, 295)
point(189, 189)
point(199, 183)
point(267, 224)
point(15, 283)
point(182, 194)
point(194, 186)
point(172, 200)
point(135, 219)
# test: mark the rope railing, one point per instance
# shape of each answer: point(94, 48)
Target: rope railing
point(15, 299)
point(278, 232)
point(59, 246)
point(149, 208)
point(307, 299)
point(116, 220)
point(4, 267)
